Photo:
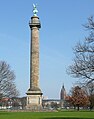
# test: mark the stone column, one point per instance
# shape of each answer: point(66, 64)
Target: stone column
point(34, 94)
point(34, 55)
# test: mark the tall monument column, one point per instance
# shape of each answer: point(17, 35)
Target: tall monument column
point(34, 94)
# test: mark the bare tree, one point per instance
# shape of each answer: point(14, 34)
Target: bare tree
point(83, 63)
point(7, 84)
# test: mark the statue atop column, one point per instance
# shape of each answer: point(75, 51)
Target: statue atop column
point(35, 10)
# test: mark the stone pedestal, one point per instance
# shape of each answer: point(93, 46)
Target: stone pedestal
point(34, 100)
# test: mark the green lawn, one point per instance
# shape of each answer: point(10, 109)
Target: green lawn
point(47, 115)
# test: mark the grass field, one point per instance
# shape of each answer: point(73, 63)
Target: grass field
point(47, 115)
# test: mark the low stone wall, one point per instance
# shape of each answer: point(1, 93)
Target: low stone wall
point(46, 110)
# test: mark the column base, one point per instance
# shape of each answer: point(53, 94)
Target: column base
point(34, 100)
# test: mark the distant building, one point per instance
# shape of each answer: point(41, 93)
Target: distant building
point(50, 103)
point(63, 93)
point(13, 103)
point(55, 103)
point(62, 96)
point(5, 103)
